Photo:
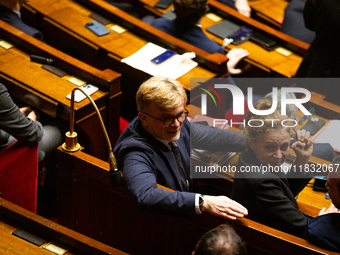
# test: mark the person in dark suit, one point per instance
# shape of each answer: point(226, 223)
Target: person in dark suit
point(261, 183)
point(17, 124)
point(186, 26)
point(10, 13)
point(22, 124)
point(324, 230)
point(320, 150)
point(144, 153)
point(293, 23)
point(322, 57)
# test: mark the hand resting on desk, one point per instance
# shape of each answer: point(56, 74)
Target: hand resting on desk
point(223, 206)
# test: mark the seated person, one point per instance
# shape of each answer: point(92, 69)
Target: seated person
point(186, 26)
point(320, 150)
point(10, 13)
point(269, 195)
point(241, 6)
point(293, 23)
point(324, 230)
point(221, 240)
point(21, 124)
point(147, 158)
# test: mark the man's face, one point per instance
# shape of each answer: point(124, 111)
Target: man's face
point(333, 190)
point(157, 128)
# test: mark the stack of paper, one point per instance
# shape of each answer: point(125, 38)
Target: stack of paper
point(173, 68)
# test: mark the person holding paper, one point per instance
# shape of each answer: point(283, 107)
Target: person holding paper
point(155, 149)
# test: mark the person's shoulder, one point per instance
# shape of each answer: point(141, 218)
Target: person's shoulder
point(160, 22)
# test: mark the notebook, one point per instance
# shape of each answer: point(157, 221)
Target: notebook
point(223, 29)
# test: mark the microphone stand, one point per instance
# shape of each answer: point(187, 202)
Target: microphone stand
point(71, 141)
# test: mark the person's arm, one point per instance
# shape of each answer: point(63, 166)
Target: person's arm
point(331, 209)
point(243, 7)
point(235, 55)
point(303, 147)
point(142, 183)
point(223, 206)
point(15, 123)
point(216, 139)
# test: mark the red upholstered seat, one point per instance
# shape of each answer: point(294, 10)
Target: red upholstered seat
point(19, 175)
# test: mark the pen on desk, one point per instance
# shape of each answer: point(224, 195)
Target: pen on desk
point(302, 118)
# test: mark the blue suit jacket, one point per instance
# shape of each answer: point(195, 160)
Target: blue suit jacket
point(322, 150)
point(189, 33)
point(14, 20)
point(146, 161)
point(324, 231)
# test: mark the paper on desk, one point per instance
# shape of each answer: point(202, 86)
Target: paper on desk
point(329, 134)
point(173, 68)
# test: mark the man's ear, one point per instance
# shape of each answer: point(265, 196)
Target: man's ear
point(251, 144)
point(142, 117)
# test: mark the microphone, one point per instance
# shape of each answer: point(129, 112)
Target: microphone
point(71, 144)
point(42, 60)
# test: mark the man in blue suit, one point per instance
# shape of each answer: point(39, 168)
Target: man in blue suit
point(144, 152)
point(10, 13)
point(186, 26)
point(324, 230)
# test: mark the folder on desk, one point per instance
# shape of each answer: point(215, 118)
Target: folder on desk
point(329, 134)
point(173, 68)
point(223, 29)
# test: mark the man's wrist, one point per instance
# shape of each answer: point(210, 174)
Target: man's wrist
point(199, 199)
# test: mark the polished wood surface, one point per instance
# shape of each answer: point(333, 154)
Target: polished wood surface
point(260, 62)
point(13, 217)
point(108, 214)
point(47, 92)
point(67, 18)
point(271, 11)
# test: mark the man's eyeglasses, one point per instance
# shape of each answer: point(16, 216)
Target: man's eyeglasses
point(168, 121)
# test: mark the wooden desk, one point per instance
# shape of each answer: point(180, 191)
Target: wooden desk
point(66, 19)
point(109, 215)
point(270, 11)
point(323, 107)
point(13, 217)
point(47, 92)
point(259, 63)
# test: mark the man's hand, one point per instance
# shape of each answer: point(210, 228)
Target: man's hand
point(26, 110)
point(223, 206)
point(33, 115)
point(235, 55)
point(331, 209)
point(243, 7)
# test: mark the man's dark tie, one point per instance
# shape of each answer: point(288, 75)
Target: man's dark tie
point(184, 180)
